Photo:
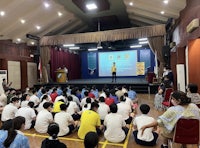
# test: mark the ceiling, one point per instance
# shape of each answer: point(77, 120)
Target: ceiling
point(74, 18)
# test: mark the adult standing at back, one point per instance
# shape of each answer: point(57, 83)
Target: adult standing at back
point(182, 108)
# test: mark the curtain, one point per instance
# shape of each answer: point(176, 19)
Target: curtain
point(60, 58)
point(156, 44)
point(110, 35)
point(45, 58)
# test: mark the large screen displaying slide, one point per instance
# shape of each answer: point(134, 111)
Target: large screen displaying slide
point(126, 62)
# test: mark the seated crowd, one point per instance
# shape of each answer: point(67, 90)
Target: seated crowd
point(109, 112)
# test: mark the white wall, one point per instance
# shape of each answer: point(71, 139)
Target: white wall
point(31, 74)
point(14, 74)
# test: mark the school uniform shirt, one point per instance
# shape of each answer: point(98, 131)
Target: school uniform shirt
point(3, 99)
point(129, 101)
point(114, 123)
point(43, 119)
point(140, 121)
point(72, 107)
point(20, 140)
point(34, 99)
point(24, 103)
point(40, 107)
point(28, 113)
point(89, 121)
point(59, 98)
point(132, 94)
point(8, 112)
point(63, 119)
point(56, 106)
point(124, 109)
point(103, 110)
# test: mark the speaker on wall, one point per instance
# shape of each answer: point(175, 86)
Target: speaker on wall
point(166, 54)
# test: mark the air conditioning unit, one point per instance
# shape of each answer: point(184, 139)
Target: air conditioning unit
point(194, 24)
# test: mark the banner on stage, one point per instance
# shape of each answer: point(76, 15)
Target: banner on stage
point(92, 62)
point(140, 68)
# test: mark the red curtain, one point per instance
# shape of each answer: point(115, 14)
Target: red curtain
point(60, 58)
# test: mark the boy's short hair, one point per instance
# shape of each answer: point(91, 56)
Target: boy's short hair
point(47, 104)
point(144, 108)
point(113, 108)
point(63, 107)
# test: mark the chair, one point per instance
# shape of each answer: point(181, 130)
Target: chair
point(167, 98)
point(187, 131)
point(198, 105)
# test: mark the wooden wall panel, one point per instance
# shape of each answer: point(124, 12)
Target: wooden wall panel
point(193, 62)
point(24, 77)
point(19, 53)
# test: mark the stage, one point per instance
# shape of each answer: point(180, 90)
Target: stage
point(140, 85)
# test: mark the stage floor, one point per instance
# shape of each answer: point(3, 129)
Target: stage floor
point(109, 81)
point(138, 84)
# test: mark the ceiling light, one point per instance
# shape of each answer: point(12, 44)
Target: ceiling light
point(135, 46)
point(131, 3)
point(142, 39)
point(59, 14)
point(99, 47)
point(32, 43)
point(46, 5)
point(143, 42)
point(2, 13)
point(165, 1)
point(91, 6)
point(92, 49)
point(74, 48)
point(22, 21)
point(18, 40)
point(68, 45)
point(162, 12)
point(37, 27)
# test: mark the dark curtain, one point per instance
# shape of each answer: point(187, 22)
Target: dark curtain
point(60, 58)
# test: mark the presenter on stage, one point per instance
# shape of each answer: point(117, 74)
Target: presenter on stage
point(113, 70)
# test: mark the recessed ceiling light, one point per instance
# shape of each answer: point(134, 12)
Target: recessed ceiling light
point(22, 21)
point(135, 46)
point(91, 6)
point(162, 12)
point(18, 40)
point(143, 42)
point(131, 3)
point(74, 48)
point(142, 39)
point(68, 45)
point(92, 49)
point(2, 13)
point(37, 27)
point(165, 1)
point(46, 5)
point(59, 14)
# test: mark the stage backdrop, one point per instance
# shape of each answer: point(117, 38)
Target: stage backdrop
point(98, 64)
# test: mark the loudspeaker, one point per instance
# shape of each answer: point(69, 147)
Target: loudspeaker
point(166, 54)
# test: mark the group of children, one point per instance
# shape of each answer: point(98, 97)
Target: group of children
point(106, 112)
point(70, 108)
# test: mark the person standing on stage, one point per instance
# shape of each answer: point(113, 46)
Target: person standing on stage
point(114, 70)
